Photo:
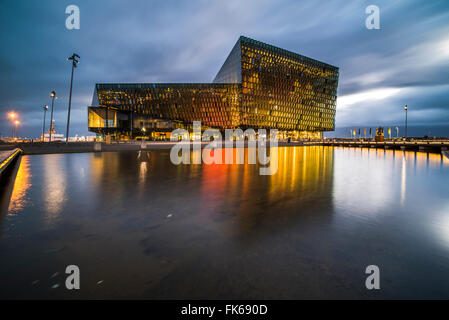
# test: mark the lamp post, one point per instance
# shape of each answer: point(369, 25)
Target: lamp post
point(405, 108)
point(53, 96)
point(15, 129)
point(74, 62)
point(43, 125)
point(12, 115)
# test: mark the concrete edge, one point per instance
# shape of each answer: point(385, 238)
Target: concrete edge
point(5, 163)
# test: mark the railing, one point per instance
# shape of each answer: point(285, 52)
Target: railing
point(443, 144)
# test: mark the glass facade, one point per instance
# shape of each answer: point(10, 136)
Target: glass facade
point(258, 86)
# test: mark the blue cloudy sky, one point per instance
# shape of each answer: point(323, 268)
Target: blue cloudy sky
point(405, 62)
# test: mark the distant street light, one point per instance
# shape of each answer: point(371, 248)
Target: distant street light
point(405, 108)
point(12, 115)
point(15, 129)
point(53, 96)
point(74, 62)
point(43, 125)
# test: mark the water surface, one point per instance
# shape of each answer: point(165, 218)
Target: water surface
point(145, 228)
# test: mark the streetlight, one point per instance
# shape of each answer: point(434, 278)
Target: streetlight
point(43, 126)
point(12, 115)
point(405, 108)
point(53, 96)
point(15, 129)
point(74, 62)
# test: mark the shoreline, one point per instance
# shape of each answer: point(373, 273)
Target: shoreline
point(31, 148)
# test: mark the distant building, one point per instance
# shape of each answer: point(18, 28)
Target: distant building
point(78, 138)
point(54, 136)
point(258, 86)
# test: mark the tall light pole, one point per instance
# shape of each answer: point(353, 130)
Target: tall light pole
point(74, 62)
point(43, 125)
point(12, 115)
point(15, 129)
point(405, 108)
point(53, 96)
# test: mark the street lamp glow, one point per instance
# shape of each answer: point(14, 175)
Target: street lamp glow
point(43, 125)
point(12, 115)
point(53, 96)
point(405, 108)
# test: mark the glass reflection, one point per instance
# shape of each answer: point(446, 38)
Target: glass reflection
point(259, 202)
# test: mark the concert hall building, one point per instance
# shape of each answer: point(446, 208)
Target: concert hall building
point(258, 86)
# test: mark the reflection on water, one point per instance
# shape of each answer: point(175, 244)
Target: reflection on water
point(403, 178)
point(22, 184)
point(442, 226)
point(54, 191)
point(381, 178)
point(225, 231)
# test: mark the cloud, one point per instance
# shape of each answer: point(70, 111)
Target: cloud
point(405, 62)
point(420, 64)
point(346, 101)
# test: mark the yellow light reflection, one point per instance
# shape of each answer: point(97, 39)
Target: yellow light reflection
point(143, 171)
point(54, 187)
point(21, 186)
